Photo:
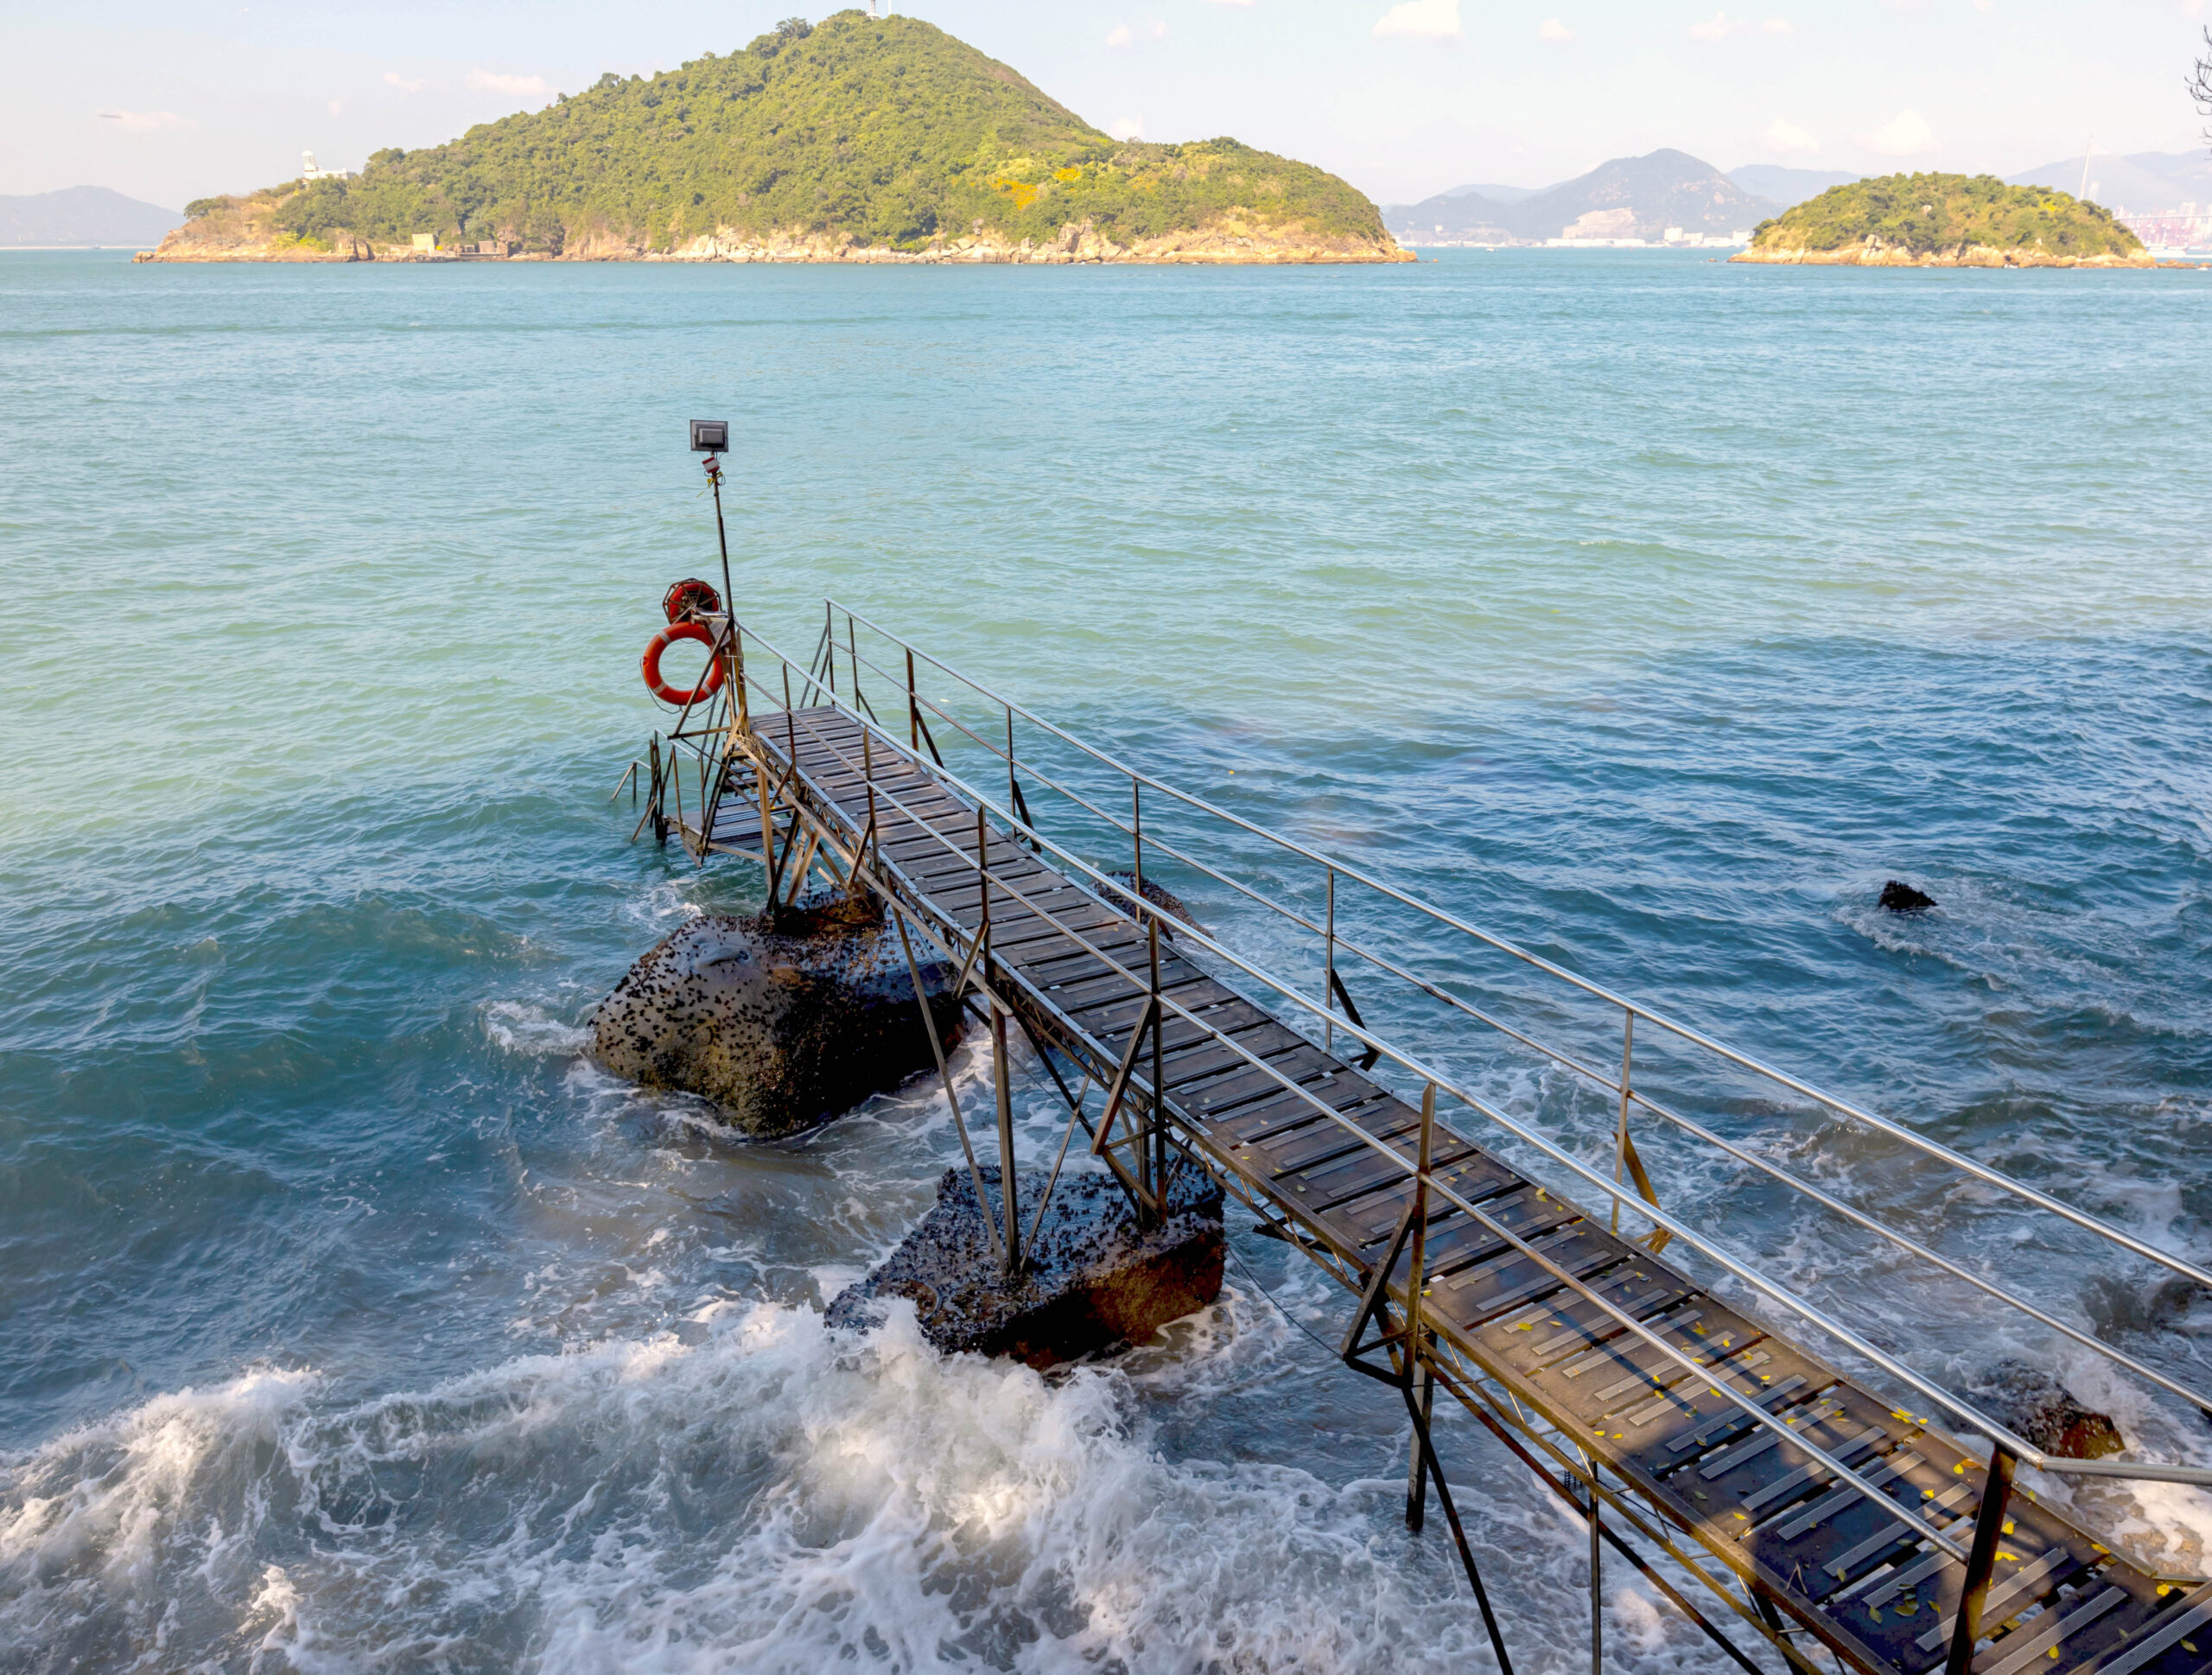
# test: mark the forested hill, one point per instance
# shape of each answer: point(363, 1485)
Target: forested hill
point(1932, 220)
point(886, 134)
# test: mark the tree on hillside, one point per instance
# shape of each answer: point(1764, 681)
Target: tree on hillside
point(2200, 83)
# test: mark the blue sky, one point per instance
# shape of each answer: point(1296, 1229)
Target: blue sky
point(1402, 96)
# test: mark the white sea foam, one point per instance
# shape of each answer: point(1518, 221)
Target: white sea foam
point(774, 1496)
point(530, 1031)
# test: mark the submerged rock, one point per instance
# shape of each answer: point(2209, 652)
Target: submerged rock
point(2045, 1412)
point(1159, 894)
point(1094, 1279)
point(1900, 897)
point(783, 1021)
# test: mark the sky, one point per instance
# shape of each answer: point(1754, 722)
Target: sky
point(1403, 97)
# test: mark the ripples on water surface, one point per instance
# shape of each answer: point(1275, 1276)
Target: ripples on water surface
point(1651, 610)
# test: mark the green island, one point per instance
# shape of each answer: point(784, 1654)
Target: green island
point(1945, 221)
point(858, 139)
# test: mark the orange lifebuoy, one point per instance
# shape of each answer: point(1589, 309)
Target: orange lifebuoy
point(661, 641)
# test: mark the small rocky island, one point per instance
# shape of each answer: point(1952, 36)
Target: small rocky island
point(1945, 222)
point(859, 140)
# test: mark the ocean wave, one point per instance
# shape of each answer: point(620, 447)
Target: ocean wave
point(775, 1496)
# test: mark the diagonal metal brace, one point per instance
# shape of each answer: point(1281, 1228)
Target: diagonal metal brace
point(936, 1047)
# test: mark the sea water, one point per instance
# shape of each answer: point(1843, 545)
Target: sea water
point(1651, 610)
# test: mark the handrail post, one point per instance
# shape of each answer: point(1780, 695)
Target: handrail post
point(829, 645)
point(852, 648)
point(1416, 1274)
point(1136, 832)
point(867, 778)
point(1155, 1155)
point(1981, 1558)
point(1329, 968)
point(768, 869)
point(743, 719)
point(1421, 1385)
point(913, 708)
point(1008, 1199)
point(1620, 1137)
point(1012, 790)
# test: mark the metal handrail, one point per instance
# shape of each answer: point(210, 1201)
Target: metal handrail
point(1948, 1401)
point(1686, 1032)
point(1719, 1381)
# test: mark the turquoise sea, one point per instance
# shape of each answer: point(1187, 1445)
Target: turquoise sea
point(1652, 610)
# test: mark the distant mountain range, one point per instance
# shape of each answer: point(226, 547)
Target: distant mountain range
point(1641, 197)
point(2141, 183)
point(1626, 197)
point(83, 215)
point(1787, 186)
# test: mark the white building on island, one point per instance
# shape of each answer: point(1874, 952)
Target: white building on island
point(310, 172)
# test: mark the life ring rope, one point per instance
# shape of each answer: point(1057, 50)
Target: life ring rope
point(707, 686)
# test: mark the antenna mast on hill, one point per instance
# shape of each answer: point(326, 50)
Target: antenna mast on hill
point(2082, 190)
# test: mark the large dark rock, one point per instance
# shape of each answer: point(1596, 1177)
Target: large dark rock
point(1093, 1279)
point(1900, 897)
point(1159, 894)
point(784, 1022)
point(2045, 1412)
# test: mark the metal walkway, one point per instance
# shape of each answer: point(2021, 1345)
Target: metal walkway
point(1810, 1507)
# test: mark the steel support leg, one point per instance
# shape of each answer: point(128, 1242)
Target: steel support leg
point(1981, 1558)
point(1417, 1466)
point(1558, 1486)
point(1458, 1534)
point(1002, 1077)
point(1596, 1574)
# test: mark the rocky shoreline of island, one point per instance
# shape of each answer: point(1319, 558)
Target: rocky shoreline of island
point(1878, 253)
point(1228, 242)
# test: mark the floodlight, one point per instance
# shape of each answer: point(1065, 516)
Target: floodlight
point(710, 436)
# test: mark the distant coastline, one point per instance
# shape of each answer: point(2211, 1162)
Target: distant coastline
point(1874, 253)
point(1223, 242)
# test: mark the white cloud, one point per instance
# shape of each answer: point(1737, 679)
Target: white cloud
point(1552, 29)
point(1126, 127)
point(1118, 35)
point(516, 86)
point(1902, 136)
point(148, 122)
point(1424, 20)
point(1232, 3)
point(1156, 30)
point(1720, 25)
point(393, 78)
point(1787, 136)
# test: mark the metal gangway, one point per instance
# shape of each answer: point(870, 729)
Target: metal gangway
point(1819, 1508)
